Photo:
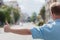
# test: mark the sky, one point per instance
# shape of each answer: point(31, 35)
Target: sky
point(30, 6)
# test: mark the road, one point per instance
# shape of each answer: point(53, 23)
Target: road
point(11, 36)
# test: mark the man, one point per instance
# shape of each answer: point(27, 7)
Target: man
point(50, 31)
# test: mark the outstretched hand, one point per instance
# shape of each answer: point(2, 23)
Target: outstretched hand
point(16, 31)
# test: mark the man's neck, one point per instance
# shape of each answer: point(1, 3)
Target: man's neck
point(57, 17)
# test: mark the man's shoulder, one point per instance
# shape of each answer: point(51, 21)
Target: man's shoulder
point(45, 26)
point(49, 25)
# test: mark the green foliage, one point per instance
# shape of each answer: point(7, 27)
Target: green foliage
point(4, 11)
point(34, 17)
point(16, 15)
point(5, 14)
point(8, 18)
point(42, 12)
point(41, 17)
point(2, 16)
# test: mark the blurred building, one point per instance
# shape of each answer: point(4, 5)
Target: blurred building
point(48, 13)
point(12, 3)
point(23, 17)
point(1, 2)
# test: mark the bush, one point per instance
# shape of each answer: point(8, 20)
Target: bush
point(2, 18)
point(4, 15)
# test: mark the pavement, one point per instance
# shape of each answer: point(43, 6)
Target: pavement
point(11, 36)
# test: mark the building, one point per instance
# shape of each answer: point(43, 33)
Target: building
point(47, 14)
point(1, 2)
point(23, 17)
point(12, 3)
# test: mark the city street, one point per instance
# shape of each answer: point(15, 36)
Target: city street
point(30, 14)
point(11, 36)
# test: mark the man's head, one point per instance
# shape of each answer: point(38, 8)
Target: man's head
point(55, 10)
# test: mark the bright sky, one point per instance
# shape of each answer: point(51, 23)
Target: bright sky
point(30, 6)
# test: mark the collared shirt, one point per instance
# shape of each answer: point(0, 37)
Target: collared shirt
point(48, 31)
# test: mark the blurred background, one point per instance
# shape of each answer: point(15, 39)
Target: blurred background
point(21, 11)
point(25, 14)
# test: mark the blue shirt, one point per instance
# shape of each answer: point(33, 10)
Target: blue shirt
point(48, 31)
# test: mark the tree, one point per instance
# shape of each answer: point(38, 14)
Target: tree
point(2, 18)
point(42, 13)
point(16, 14)
point(41, 16)
point(34, 17)
point(5, 14)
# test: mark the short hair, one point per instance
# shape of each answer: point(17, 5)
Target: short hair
point(55, 8)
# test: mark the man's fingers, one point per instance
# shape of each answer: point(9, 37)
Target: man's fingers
point(6, 28)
